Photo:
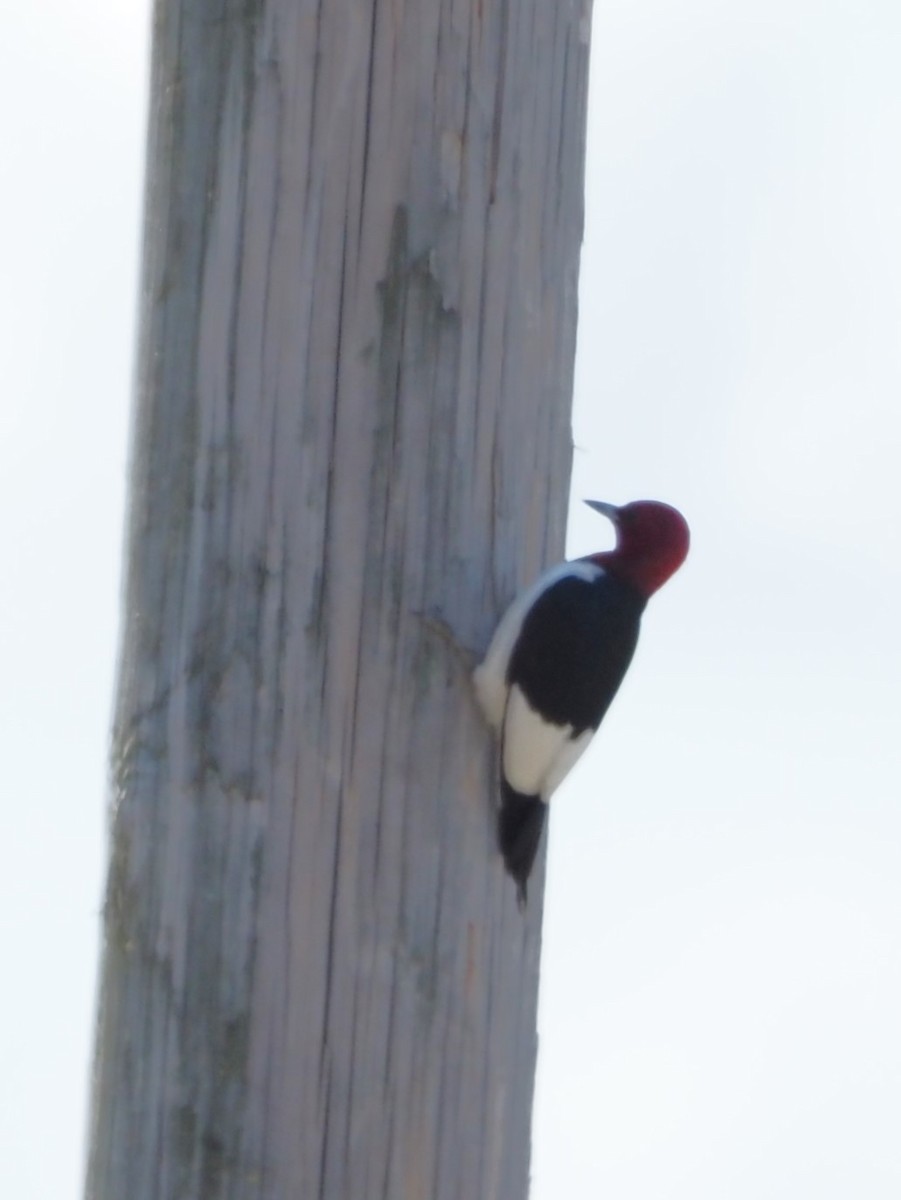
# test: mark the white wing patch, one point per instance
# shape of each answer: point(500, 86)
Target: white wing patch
point(565, 761)
point(537, 754)
point(490, 678)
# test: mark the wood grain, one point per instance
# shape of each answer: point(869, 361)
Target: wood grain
point(363, 224)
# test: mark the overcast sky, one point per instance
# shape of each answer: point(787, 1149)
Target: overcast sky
point(722, 960)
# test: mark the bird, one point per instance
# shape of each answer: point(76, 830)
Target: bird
point(556, 661)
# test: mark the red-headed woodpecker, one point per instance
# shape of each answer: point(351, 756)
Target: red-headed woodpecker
point(557, 659)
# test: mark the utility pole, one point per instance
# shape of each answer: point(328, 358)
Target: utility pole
point(362, 234)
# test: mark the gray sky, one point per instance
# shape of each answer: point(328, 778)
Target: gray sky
point(72, 84)
point(722, 961)
point(722, 957)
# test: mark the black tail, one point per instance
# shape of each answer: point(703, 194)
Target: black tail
point(519, 825)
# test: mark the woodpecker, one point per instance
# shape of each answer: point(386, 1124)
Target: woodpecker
point(557, 659)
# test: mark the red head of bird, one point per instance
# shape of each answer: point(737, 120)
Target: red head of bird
point(651, 543)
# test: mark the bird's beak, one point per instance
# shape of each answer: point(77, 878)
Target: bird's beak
point(606, 510)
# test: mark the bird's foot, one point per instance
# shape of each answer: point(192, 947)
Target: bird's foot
point(439, 627)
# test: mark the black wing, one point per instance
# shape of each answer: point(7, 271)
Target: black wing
point(574, 648)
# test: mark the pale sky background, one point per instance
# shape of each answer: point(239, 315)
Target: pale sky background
point(721, 1003)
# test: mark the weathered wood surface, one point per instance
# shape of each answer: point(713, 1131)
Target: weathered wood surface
point(358, 321)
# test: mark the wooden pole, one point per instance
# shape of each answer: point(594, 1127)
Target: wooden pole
point(357, 332)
